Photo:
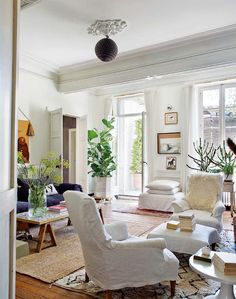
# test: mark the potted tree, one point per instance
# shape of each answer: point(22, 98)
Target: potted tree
point(225, 162)
point(101, 159)
point(136, 163)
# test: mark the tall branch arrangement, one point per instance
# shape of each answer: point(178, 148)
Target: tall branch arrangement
point(206, 153)
point(211, 159)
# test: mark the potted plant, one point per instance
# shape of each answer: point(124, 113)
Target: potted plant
point(225, 162)
point(205, 155)
point(101, 159)
point(136, 163)
point(38, 177)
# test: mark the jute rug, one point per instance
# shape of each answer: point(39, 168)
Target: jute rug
point(56, 262)
point(189, 285)
point(132, 209)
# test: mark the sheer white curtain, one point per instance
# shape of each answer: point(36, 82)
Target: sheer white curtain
point(151, 102)
point(190, 128)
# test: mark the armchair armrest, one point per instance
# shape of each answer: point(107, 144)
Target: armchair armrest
point(180, 205)
point(218, 209)
point(117, 230)
point(159, 243)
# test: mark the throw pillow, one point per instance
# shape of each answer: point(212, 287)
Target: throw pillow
point(163, 185)
point(164, 192)
point(50, 190)
point(203, 191)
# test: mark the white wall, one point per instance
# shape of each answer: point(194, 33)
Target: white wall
point(38, 95)
point(167, 95)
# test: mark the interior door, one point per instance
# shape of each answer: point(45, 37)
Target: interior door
point(56, 133)
point(8, 77)
point(81, 153)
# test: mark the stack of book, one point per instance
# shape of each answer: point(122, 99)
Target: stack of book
point(58, 209)
point(225, 262)
point(172, 224)
point(187, 222)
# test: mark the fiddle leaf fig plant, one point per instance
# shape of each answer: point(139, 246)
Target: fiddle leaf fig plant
point(100, 156)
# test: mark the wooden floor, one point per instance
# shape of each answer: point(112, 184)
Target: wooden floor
point(30, 288)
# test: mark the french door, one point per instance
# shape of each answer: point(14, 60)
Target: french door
point(131, 154)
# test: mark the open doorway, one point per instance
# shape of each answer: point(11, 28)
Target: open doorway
point(130, 144)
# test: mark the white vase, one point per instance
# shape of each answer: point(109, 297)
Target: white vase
point(102, 187)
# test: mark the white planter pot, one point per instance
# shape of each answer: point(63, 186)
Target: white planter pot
point(103, 187)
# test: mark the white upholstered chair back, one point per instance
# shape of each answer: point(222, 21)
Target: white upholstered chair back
point(86, 221)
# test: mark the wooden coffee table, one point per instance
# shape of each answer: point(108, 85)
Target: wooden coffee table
point(23, 221)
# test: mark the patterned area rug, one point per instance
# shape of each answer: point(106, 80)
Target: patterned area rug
point(190, 285)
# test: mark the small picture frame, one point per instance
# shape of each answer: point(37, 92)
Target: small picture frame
point(169, 143)
point(171, 118)
point(171, 163)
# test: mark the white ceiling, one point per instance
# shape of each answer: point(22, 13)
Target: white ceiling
point(55, 31)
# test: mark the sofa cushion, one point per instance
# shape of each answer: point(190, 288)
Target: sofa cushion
point(22, 191)
point(163, 185)
point(50, 189)
point(164, 192)
point(54, 199)
point(22, 206)
point(68, 186)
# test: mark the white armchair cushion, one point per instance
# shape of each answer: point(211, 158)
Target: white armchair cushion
point(218, 209)
point(180, 205)
point(117, 230)
point(163, 185)
point(203, 191)
point(140, 243)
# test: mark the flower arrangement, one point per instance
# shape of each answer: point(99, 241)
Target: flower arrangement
point(38, 177)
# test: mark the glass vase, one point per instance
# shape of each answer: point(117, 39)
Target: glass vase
point(37, 201)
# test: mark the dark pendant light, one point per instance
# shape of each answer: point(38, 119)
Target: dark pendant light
point(106, 49)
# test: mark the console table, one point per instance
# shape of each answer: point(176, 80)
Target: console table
point(229, 187)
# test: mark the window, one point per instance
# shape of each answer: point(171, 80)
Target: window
point(218, 113)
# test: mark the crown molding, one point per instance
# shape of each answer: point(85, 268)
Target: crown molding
point(200, 51)
point(38, 66)
point(207, 77)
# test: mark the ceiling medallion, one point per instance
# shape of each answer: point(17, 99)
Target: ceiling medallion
point(106, 49)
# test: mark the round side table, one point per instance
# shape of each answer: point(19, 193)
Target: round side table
point(208, 270)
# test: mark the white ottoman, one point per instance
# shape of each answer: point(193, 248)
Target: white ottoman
point(186, 242)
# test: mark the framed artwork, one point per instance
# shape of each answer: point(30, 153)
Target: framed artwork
point(169, 143)
point(171, 163)
point(171, 118)
point(23, 139)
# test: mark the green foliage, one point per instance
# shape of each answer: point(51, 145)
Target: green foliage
point(136, 163)
point(206, 154)
point(100, 157)
point(44, 173)
point(225, 161)
point(211, 159)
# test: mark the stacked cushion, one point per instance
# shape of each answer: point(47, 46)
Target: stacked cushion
point(160, 195)
point(163, 187)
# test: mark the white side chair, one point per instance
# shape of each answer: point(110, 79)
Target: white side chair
point(113, 258)
point(203, 199)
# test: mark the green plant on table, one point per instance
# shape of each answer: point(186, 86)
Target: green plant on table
point(38, 177)
point(205, 155)
point(225, 161)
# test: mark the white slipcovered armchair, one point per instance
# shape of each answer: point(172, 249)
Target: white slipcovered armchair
point(114, 259)
point(203, 199)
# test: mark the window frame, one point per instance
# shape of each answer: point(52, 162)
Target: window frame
point(221, 88)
